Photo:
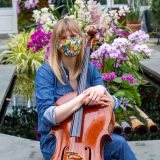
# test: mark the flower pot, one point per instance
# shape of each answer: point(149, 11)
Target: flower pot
point(133, 25)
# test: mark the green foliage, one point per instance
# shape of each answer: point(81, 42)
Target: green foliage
point(22, 122)
point(123, 88)
point(109, 65)
point(133, 16)
point(155, 7)
point(5, 3)
point(151, 106)
point(26, 61)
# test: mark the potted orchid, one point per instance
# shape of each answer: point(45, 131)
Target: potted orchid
point(133, 20)
point(133, 17)
point(118, 62)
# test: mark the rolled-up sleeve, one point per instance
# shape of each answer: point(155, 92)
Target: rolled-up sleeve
point(44, 91)
point(97, 80)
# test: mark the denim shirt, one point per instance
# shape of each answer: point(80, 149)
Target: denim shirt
point(48, 90)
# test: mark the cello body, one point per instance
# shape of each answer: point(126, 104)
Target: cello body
point(97, 126)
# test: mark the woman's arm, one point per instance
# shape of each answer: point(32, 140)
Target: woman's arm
point(49, 113)
point(63, 111)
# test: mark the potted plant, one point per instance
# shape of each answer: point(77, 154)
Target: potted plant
point(133, 20)
point(133, 17)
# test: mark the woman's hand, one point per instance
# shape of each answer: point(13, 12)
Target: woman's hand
point(98, 95)
point(95, 94)
point(104, 101)
point(112, 102)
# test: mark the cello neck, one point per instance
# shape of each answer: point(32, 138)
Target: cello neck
point(76, 126)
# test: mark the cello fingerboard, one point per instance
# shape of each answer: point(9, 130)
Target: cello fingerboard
point(76, 125)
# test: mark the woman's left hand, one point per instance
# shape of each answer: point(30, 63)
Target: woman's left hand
point(95, 94)
point(112, 102)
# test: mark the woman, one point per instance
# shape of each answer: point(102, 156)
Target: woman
point(59, 76)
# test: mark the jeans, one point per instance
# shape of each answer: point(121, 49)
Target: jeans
point(117, 149)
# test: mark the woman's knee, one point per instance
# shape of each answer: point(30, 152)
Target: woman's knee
point(118, 138)
point(119, 141)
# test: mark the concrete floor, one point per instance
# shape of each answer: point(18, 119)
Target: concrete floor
point(152, 66)
point(17, 148)
point(146, 150)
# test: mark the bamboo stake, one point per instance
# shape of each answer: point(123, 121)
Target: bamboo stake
point(126, 127)
point(137, 125)
point(117, 128)
point(152, 127)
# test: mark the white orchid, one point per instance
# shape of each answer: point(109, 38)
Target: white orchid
point(45, 18)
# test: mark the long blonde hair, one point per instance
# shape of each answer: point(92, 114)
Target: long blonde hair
point(61, 27)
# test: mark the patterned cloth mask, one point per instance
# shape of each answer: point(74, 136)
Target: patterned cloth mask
point(70, 46)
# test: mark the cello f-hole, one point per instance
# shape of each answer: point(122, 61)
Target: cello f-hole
point(62, 157)
point(89, 152)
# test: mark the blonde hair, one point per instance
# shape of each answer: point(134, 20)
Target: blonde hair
point(61, 27)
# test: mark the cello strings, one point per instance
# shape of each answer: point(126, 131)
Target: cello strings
point(80, 89)
point(77, 118)
point(74, 130)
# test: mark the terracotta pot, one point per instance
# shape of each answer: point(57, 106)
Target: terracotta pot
point(133, 25)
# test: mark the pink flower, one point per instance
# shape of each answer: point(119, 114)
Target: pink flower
point(142, 48)
point(120, 32)
point(39, 40)
point(17, 7)
point(97, 64)
point(138, 37)
point(128, 77)
point(30, 4)
point(109, 76)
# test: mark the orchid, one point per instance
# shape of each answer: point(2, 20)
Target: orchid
point(142, 49)
point(45, 19)
point(128, 77)
point(138, 37)
point(39, 40)
point(125, 103)
point(97, 64)
point(109, 76)
point(30, 4)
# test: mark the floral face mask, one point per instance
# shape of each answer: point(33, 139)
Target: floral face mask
point(70, 46)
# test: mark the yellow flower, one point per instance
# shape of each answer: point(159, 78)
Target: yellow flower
point(67, 42)
point(75, 47)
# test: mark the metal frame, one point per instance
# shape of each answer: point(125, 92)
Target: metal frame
point(7, 97)
point(8, 19)
point(110, 4)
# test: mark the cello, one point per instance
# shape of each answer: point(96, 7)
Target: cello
point(82, 137)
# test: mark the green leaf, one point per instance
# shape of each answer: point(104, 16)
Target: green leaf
point(117, 80)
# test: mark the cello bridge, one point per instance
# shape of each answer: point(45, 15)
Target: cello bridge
point(73, 156)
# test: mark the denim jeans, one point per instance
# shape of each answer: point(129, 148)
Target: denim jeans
point(117, 149)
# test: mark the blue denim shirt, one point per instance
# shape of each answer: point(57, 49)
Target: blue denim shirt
point(48, 90)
